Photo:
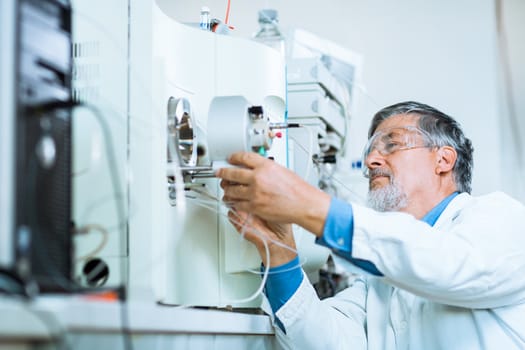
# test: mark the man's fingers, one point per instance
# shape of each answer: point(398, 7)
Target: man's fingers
point(226, 183)
point(241, 220)
point(247, 159)
point(236, 192)
point(236, 205)
point(234, 175)
point(234, 219)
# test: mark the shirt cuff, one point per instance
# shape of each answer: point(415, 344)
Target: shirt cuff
point(338, 233)
point(283, 281)
point(338, 229)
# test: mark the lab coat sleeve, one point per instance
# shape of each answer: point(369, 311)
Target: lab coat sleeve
point(333, 323)
point(475, 260)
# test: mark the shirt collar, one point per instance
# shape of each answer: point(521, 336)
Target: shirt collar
point(434, 214)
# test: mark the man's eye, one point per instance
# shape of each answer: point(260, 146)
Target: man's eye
point(391, 146)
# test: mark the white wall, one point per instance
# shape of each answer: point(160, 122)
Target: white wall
point(440, 52)
point(512, 56)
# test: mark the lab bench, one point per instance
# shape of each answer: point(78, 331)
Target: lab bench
point(66, 322)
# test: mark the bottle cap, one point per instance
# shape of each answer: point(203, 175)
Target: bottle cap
point(268, 16)
point(205, 9)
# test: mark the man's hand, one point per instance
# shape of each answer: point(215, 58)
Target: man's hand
point(268, 190)
point(278, 237)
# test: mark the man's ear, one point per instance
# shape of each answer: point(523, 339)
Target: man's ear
point(446, 158)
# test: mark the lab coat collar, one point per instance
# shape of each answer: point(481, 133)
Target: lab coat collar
point(453, 208)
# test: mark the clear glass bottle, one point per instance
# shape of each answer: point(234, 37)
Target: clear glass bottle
point(269, 32)
point(205, 18)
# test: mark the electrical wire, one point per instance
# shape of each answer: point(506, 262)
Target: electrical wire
point(55, 276)
point(85, 230)
point(227, 17)
point(210, 204)
point(98, 203)
point(259, 290)
point(213, 201)
point(115, 180)
point(309, 156)
point(267, 240)
point(309, 151)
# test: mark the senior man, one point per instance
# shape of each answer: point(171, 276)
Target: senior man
point(441, 269)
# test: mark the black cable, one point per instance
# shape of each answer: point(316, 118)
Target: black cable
point(294, 125)
point(12, 284)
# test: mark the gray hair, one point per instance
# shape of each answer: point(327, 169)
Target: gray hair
point(443, 130)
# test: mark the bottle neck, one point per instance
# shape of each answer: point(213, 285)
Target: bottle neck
point(269, 28)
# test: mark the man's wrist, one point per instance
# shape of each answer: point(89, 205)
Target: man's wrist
point(316, 209)
point(278, 255)
point(283, 281)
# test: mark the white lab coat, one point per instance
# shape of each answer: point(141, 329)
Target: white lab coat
point(457, 285)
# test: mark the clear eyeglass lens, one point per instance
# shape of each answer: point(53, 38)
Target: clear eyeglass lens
point(392, 140)
point(395, 139)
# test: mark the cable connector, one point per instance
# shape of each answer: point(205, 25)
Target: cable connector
point(273, 126)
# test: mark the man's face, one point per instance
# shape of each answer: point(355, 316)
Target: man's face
point(400, 163)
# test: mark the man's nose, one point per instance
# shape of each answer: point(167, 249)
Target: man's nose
point(374, 159)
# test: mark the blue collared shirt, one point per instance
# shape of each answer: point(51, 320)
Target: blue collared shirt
point(284, 280)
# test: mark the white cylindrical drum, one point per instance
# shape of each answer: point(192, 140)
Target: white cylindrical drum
point(228, 127)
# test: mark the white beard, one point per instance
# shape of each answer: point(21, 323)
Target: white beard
point(387, 198)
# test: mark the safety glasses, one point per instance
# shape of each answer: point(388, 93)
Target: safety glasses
point(396, 139)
